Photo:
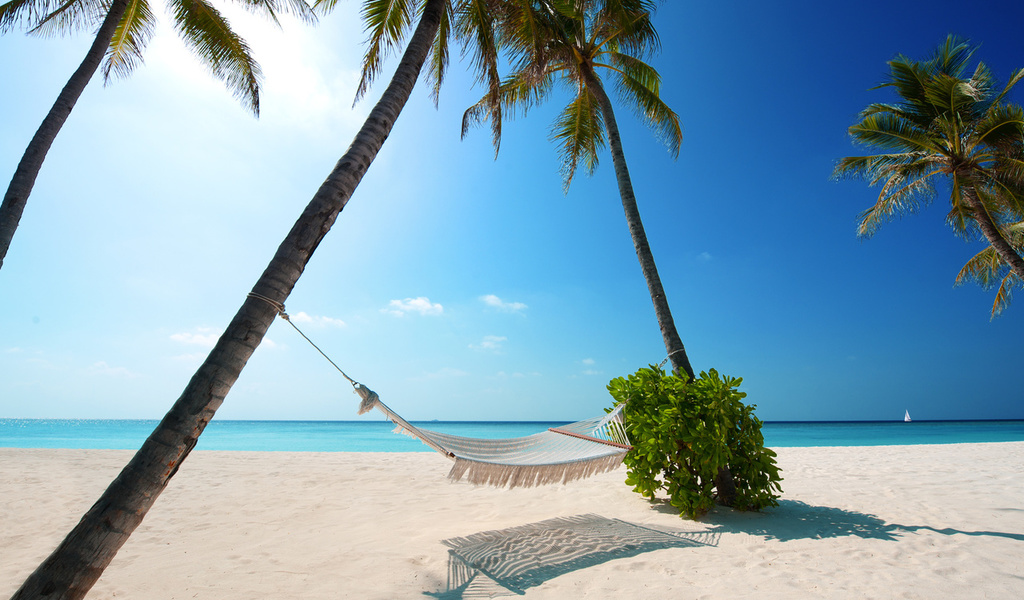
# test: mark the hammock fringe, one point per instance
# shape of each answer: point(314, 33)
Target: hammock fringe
point(499, 475)
point(559, 455)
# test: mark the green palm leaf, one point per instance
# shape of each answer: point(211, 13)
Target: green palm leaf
point(387, 22)
point(130, 39)
point(578, 131)
point(639, 84)
point(225, 54)
point(70, 16)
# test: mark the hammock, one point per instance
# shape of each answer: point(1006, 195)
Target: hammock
point(560, 454)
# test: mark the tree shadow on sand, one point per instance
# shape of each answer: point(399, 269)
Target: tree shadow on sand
point(509, 561)
point(795, 520)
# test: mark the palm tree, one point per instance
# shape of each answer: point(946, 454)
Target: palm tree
point(125, 27)
point(946, 125)
point(987, 269)
point(571, 42)
point(76, 564)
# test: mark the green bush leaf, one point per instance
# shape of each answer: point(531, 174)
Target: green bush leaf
point(683, 433)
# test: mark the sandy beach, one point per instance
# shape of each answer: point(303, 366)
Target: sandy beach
point(854, 522)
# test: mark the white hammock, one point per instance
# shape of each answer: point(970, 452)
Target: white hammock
point(560, 454)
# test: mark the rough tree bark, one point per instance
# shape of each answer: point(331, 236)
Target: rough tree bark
point(72, 569)
point(31, 163)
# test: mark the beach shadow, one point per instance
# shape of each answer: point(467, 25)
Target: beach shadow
point(509, 561)
point(795, 520)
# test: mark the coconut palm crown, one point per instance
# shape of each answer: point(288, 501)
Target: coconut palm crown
point(572, 43)
point(202, 27)
point(389, 22)
point(989, 271)
point(947, 126)
point(123, 28)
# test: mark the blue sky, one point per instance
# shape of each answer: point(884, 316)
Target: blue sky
point(460, 287)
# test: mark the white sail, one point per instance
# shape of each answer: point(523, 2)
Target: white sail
point(906, 417)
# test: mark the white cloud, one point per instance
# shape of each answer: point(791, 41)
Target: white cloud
point(102, 368)
point(591, 372)
point(203, 336)
point(491, 343)
point(496, 302)
point(444, 373)
point(421, 305)
point(704, 256)
point(14, 350)
point(318, 321)
point(587, 361)
point(190, 358)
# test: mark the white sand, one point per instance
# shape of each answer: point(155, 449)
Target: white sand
point(883, 522)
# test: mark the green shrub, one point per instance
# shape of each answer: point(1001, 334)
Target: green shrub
point(684, 434)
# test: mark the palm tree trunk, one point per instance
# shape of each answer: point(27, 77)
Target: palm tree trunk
point(991, 232)
point(724, 482)
point(673, 345)
point(77, 563)
point(32, 161)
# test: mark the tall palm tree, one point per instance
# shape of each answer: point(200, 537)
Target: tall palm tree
point(987, 269)
point(572, 42)
point(946, 125)
point(76, 564)
point(125, 27)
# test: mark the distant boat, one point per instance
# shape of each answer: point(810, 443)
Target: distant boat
point(906, 417)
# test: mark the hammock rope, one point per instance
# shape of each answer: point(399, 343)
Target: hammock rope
point(558, 455)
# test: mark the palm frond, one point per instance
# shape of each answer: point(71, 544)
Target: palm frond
point(1002, 126)
point(578, 131)
point(387, 22)
point(30, 14)
point(272, 8)
point(908, 79)
point(437, 62)
point(639, 84)
point(987, 269)
point(627, 27)
point(952, 56)
point(70, 17)
point(890, 132)
point(515, 95)
point(210, 37)
point(1015, 78)
point(129, 41)
point(905, 191)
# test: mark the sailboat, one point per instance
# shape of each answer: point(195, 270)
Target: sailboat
point(906, 417)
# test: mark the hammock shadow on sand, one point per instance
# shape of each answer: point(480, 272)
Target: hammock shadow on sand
point(509, 561)
point(795, 520)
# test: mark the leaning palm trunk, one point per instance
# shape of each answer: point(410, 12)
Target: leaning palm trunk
point(77, 563)
point(673, 344)
point(724, 483)
point(991, 232)
point(32, 161)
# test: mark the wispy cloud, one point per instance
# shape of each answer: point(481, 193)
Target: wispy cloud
point(319, 321)
point(499, 304)
point(588, 363)
point(422, 306)
point(443, 373)
point(490, 343)
point(105, 370)
point(202, 336)
point(704, 256)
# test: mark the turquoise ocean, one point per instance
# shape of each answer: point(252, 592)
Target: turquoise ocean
point(376, 436)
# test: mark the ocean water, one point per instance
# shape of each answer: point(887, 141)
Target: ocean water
point(376, 436)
